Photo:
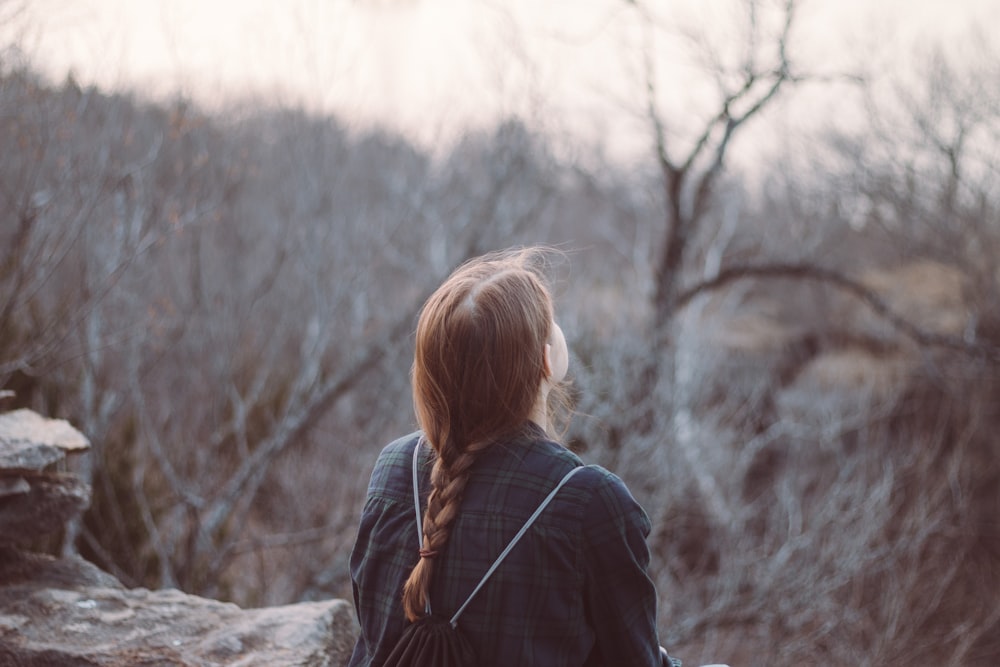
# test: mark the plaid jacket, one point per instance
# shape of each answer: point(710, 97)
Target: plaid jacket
point(573, 593)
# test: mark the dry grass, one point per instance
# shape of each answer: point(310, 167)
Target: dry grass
point(859, 493)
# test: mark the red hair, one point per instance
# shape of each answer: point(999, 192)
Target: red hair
point(477, 370)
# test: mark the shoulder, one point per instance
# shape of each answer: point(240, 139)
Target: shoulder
point(600, 496)
point(392, 472)
point(602, 481)
point(399, 450)
point(609, 501)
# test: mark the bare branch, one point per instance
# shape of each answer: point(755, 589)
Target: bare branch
point(811, 272)
point(652, 108)
point(243, 485)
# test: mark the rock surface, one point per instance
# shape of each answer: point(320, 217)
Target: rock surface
point(29, 441)
point(36, 501)
point(65, 612)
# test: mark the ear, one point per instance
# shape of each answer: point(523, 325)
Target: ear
point(547, 360)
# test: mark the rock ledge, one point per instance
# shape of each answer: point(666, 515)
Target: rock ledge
point(68, 613)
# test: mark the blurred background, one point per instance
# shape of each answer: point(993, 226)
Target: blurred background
point(779, 277)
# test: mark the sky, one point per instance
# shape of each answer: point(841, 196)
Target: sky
point(430, 67)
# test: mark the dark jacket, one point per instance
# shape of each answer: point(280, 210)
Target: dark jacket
point(574, 592)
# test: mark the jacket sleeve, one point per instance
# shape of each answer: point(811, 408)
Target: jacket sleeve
point(620, 597)
point(384, 553)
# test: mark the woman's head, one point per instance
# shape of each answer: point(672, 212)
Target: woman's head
point(480, 356)
point(487, 353)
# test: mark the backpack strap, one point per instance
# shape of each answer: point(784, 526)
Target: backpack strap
point(514, 541)
point(416, 506)
point(510, 545)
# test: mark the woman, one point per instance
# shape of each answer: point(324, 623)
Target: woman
point(574, 592)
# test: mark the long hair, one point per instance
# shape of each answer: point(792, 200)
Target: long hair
point(477, 370)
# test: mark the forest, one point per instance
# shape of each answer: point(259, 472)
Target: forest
point(796, 370)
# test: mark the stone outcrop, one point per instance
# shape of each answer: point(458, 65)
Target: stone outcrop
point(67, 612)
point(35, 500)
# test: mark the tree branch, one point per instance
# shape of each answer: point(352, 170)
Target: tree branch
point(811, 272)
point(649, 71)
point(246, 481)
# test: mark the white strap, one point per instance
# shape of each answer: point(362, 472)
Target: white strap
point(514, 541)
point(416, 506)
point(416, 493)
point(510, 545)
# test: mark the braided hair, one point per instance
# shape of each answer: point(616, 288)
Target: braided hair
point(477, 369)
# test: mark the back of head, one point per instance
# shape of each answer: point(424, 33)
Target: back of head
point(477, 373)
point(479, 351)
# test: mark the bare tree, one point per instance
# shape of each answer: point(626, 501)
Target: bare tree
point(780, 505)
point(862, 502)
point(689, 176)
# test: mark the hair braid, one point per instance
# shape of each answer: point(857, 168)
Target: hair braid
point(478, 368)
point(448, 481)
